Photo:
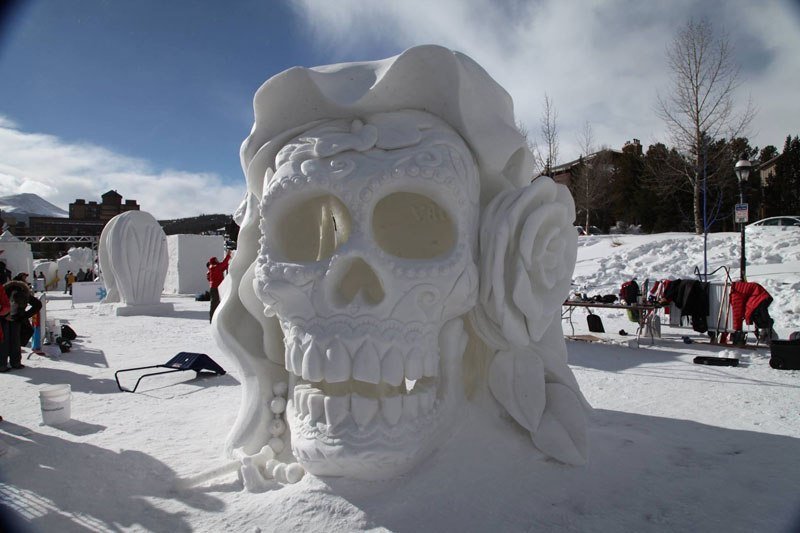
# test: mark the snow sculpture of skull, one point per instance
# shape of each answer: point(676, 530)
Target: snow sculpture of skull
point(369, 237)
point(387, 226)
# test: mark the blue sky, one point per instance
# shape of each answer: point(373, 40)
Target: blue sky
point(153, 98)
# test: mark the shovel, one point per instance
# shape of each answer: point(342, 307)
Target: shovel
point(722, 336)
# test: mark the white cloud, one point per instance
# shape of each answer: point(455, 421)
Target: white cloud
point(600, 61)
point(6, 122)
point(60, 172)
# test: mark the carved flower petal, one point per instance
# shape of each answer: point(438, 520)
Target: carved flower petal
point(562, 431)
point(516, 379)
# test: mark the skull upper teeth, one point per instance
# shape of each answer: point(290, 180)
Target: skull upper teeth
point(337, 360)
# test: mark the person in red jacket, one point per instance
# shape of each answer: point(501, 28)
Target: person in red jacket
point(749, 302)
point(215, 275)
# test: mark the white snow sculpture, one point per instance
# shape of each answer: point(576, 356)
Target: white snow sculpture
point(50, 271)
point(16, 254)
point(104, 261)
point(134, 255)
point(393, 205)
point(188, 255)
point(74, 260)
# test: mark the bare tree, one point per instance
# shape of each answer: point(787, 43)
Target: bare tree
point(545, 159)
point(590, 185)
point(699, 107)
point(549, 130)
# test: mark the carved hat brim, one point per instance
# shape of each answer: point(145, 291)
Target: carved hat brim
point(430, 78)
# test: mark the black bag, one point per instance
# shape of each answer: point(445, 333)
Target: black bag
point(629, 292)
point(68, 333)
point(63, 344)
point(594, 323)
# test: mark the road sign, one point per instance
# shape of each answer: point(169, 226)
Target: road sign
point(741, 213)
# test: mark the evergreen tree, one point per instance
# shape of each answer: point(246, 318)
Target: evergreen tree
point(784, 190)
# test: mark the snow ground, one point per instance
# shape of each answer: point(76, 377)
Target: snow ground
point(673, 446)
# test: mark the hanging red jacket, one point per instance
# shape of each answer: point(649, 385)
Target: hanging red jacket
point(216, 270)
point(745, 297)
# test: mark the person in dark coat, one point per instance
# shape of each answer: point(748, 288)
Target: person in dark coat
point(5, 273)
point(16, 325)
point(5, 309)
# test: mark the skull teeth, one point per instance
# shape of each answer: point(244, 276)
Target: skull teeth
point(313, 366)
point(392, 367)
point(415, 365)
point(367, 364)
point(392, 408)
point(336, 409)
point(336, 361)
point(363, 409)
point(294, 359)
point(338, 366)
point(315, 407)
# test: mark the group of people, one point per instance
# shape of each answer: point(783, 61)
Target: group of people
point(18, 305)
point(71, 278)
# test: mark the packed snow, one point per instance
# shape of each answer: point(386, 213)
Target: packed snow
point(673, 446)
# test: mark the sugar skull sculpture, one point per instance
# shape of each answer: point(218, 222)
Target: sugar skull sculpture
point(394, 261)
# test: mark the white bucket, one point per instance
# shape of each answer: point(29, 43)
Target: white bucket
point(55, 400)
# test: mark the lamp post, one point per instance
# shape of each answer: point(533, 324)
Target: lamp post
point(742, 168)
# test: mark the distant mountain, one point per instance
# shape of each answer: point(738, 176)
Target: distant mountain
point(25, 205)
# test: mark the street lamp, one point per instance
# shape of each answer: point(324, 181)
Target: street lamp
point(742, 168)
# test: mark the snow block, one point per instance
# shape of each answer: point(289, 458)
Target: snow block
point(188, 255)
point(16, 254)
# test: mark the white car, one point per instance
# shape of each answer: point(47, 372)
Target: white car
point(773, 222)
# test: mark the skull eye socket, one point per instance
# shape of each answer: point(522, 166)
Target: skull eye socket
point(412, 226)
point(314, 229)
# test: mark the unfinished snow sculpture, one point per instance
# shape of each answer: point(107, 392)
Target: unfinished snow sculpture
point(16, 254)
point(362, 253)
point(188, 255)
point(50, 271)
point(136, 249)
point(76, 259)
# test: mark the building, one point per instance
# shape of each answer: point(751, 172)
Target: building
point(85, 219)
point(565, 172)
point(110, 207)
point(768, 169)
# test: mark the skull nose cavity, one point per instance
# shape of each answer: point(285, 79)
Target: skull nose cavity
point(359, 278)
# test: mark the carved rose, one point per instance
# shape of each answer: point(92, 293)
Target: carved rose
point(528, 251)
